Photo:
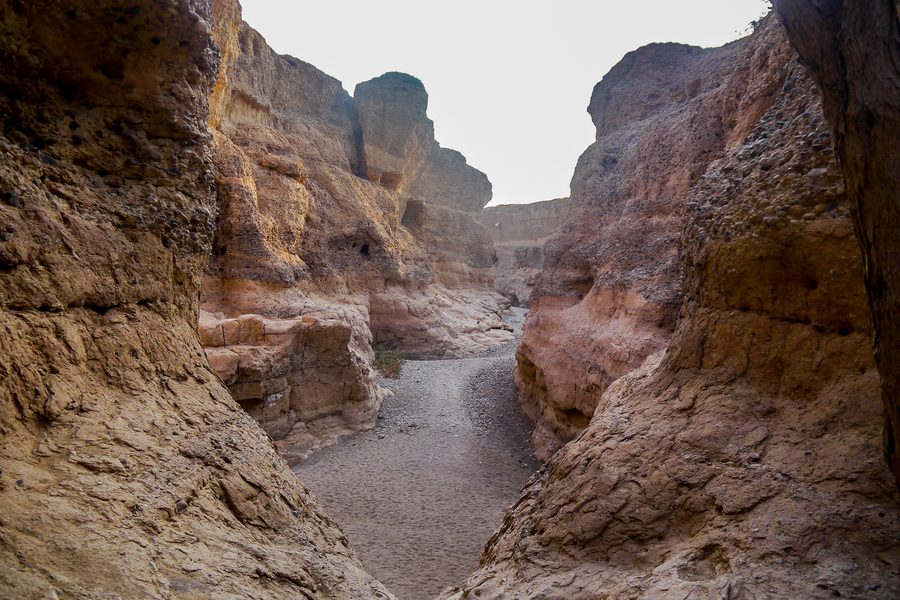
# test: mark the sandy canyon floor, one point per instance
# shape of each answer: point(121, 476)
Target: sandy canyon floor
point(419, 495)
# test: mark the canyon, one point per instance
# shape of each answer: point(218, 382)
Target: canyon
point(726, 423)
point(519, 232)
point(128, 469)
point(204, 242)
point(342, 224)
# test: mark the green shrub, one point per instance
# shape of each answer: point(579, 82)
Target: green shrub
point(389, 362)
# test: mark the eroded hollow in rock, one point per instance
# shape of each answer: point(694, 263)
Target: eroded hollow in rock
point(391, 179)
point(414, 215)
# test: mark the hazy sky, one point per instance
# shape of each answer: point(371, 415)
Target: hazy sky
point(508, 81)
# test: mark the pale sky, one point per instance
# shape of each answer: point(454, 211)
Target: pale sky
point(508, 81)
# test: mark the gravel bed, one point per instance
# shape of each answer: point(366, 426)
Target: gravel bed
point(419, 495)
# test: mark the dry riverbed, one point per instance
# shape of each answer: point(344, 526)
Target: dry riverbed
point(419, 495)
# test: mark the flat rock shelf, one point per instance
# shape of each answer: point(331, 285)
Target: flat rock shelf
point(419, 495)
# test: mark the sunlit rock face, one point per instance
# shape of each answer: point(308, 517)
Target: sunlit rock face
point(342, 224)
point(610, 290)
point(519, 232)
point(743, 459)
point(126, 468)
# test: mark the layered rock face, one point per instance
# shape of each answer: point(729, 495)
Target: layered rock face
point(519, 232)
point(851, 49)
point(126, 469)
point(609, 294)
point(743, 461)
point(342, 223)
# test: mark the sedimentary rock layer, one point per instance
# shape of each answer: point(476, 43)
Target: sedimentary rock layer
point(744, 460)
point(126, 468)
point(519, 232)
point(851, 50)
point(336, 206)
point(609, 294)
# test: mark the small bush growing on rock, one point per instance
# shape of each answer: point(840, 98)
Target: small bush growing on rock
point(389, 362)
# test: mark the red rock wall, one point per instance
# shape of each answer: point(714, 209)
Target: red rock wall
point(610, 293)
point(743, 461)
point(126, 468)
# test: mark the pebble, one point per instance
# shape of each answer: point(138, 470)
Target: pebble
point(11, 198)
point(768, 163)
point(181, 506)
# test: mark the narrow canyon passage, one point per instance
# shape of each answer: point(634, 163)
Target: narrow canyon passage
point(419, 495)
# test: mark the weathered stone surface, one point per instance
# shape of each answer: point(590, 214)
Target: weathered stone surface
point(393, 257)
point(609, 294)
point(126, 468)
point(743, 461)
point(401, 152)
point(519, 232)
point(283, 371)
point(851, 50)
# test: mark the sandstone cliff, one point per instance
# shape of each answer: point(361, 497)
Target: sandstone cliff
point(609, 294)
point(519, 232)
point(743, 461)
point(851, 51)
point(342, 223)
point(126, 468)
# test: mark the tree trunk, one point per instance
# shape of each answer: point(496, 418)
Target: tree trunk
point(852, 50)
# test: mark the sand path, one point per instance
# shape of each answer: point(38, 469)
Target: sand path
point(418, 496)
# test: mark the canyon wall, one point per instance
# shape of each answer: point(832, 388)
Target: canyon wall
point(610, 293)
point(126, 468)
point(851, 50)
point(342, 223)
point(519, 232)
point(742, 460)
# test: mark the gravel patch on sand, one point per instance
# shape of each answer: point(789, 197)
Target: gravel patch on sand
point(419, 495)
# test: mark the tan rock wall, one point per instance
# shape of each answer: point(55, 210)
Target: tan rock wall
point(289, 371)
point(524, 224)
point(743, 461)
point(850, 50)
point(126, 468)
point(343, 206)
point(519, 232)
point(401, 152)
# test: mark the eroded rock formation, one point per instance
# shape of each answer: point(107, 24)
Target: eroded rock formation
point(126, 468)
point(610, 292)
point(742, 461)
point(342, 212)
point(519, 232)
point(852, 52)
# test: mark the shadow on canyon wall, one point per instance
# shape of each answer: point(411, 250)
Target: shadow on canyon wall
point(700, 333)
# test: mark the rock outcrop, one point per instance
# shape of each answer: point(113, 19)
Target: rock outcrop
point(851, 52)
point(743, 460)
point(610, 293)
point(342, 212)
point(519, 232)
point(126, 468)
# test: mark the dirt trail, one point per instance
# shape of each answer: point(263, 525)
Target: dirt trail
point(418, 496)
